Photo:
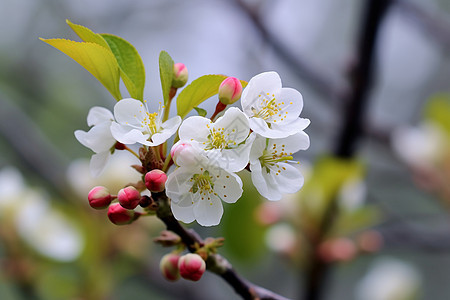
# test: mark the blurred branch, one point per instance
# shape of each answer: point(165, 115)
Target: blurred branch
point(33, 149)
point(321, 82)
point(432, 24)
point(215, 263)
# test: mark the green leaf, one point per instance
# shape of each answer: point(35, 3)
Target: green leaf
point(87, 35)
point(198, 91)
point(130, 63)
point(98, 60)
point(166, 74)
point(201, 112)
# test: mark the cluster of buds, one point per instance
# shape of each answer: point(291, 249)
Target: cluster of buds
point(129, 198)
point(190, 266)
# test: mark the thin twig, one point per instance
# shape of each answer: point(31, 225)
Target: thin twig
point(215, 262)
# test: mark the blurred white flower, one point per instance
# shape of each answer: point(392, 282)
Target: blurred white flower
point(352, 194)
point(12, 186)
point(420, 146)
point(281, 238)
point(389, 279)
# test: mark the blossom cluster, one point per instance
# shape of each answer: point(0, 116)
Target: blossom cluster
point(262, 137)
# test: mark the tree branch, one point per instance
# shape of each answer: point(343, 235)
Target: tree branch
point(215, 262)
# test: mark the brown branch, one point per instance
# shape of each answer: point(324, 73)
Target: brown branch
point(215, 263)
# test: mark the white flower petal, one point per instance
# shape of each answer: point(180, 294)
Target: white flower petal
point(257, 149)
point(178, 184)
point(128, 135)
point(235, 160)
point(289, 180)
point(182, 213)
point(130, 112)
point(99, 115)
point(169, 129)
point(290, 144)
point(267, 82)
point(228, 186)
point(235, 125)
point(208, 212)
point(98, 163)
point(195, 128)
point(98, 138)
point(291, 104)
point(264, 182)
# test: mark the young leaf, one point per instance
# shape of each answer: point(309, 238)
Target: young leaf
point(201, 112)
point(166, 74)
point(198, 91)
point(98, 60)
point(87, 35)
point(130, 64)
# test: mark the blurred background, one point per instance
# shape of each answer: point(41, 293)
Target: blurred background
point(389, 234)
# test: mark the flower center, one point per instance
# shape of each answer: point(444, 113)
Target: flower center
point(269, 107)
point(151, 122)
point(272, 157)
point(217, 139)
point(202, 183)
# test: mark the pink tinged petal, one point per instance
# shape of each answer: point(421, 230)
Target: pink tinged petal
point(195, 128)
point(289, 180)
point(235, 123)
point(98, 138)
point(99, 115)
point(98, 163)
point(183, 213)
point(208, 212)
point(128, 135)
point(130, 112)
point(228, 187)
point(267, 82)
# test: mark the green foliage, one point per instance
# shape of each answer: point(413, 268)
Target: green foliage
point(98, 60)
point(437, 110)
point(166, 74)
point(201, 112)
point(126, 62)
point(130, 63)
point(198, 91)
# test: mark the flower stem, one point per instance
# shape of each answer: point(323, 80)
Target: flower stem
point(132, 152)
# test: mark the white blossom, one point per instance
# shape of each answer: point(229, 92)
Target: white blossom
point(273, 170)
point(196, 192)
point(224, 141)
point(98, 138)
point(273, 111)
point(134, 124)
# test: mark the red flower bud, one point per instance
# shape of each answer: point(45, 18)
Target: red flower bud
point(180, 75)
point(155, 181)
point(99, 197)
point(129, 197)
point(191, 266)
point(119, 215)
point(169, 266)
point(230, 90)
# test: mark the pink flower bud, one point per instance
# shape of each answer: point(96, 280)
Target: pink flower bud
point(230, 90)
point(169, 266)
point(119, 215)
point(183, 153)
point(129, 197)
point(155, 181)
point(99, 197)
point(180, 75)
point(191, 266)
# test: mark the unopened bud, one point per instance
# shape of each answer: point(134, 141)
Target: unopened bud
point(99, 197)
point(180, 75)
point(191, 266)
point(169, 266)
point(121, 216)
point(184, 154)
point(155, 181)
point(230, 90)
point(129, 197)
